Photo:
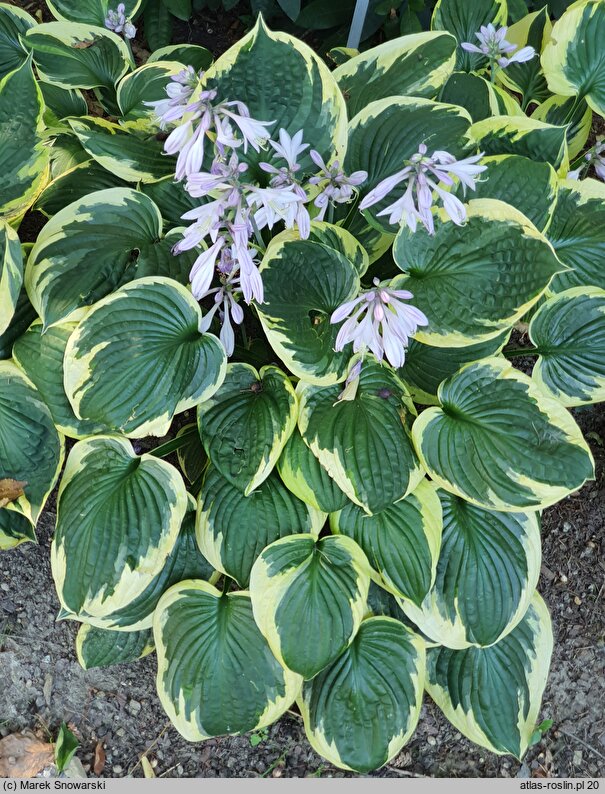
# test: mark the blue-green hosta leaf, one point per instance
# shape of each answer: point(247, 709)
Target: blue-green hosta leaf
point(307, 479)
point(492, 695)
point(573, 58)
point(92, 12)
point(31, 449)
point(40, 356)
point(14, 23)
point(15, 529)
point(118, 518)
point(426, 367)
point(348, 437)
point(304, 283)
point(233, 529)
point(414, 65)
point(486, 575)
point(171, 198)
point(246, 423)
point(75, 55)
point(501, 442)
point(138, 358)
point(75, 184)
point(362, 709)
point(569, 332)
point(185, 561)
point(104, 648)
point(11, 273)
point(309, 598)
point(464, 19)
point(472, 281)
point(334, 237)
point(186, 54)
point(132, 157)
point(401, 542)
point(389, 131)
point(146, 84)
point(216, 673)
point(24, 160)
point(22, 318)
point(577, 233)
point(478, 96)
point(527, 78)
point(95, 245)
point(285, 82)
point(527, 185)
point(576, 115)
point(545, 143)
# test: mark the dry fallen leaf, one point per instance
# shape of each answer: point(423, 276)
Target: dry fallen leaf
point(10, 490)
point(99, 762)
point(24, 756)
point(147, 768)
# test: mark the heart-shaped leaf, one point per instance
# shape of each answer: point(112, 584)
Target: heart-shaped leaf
point(11, 273)
point(102, 648)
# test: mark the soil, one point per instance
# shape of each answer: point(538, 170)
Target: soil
point(42, 683)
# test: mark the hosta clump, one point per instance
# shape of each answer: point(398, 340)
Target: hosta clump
point(327, 267)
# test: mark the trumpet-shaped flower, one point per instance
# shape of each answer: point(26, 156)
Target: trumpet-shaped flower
point(380, 321)
point(117, 22)
point(493, 44)
point(336, 186)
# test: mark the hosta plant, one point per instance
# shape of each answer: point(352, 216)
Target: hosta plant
point(309, 279)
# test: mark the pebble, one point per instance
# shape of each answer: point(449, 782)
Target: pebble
point(577, 757)
point(134, 706)
point(120, 732)
point(4, 587)
point(431, 740)
point(118, 769)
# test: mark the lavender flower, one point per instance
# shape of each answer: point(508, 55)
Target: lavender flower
point(336, 186)
point(378, 320)
point(225, 303)
point(116, 21)
point(425, 175)
point(494, 46)
point(595, 156)
point(179, 92)
point(289, 148)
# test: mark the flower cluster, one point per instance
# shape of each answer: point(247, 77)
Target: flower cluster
point(425, 175)
point(116, 21)
point(493, 44)
point(378, 320)
point(595, 157)
point(336, 186)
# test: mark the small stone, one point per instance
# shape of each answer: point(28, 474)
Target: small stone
point(179, 769)
point(563, 578)
point(577, 601)
point(431, 740)
point(134, 706)
point(4, 587)
point(120, 732)
point(577, 758)
point(118, 769)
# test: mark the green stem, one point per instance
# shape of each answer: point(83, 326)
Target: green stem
point(259, 238)
point(516, 352)
point(244, 336)
point(174, 444)
point(492, 72)
point(331, 213)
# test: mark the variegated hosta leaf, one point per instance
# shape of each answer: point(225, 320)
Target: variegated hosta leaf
point(192, 456)
point(40, 356)
point(186, 54)
point(546, 143)
point(306, 478)
point(31, 449)
point(401, 542)
point(118, 518)
point(246, 423)
point(389, 131)
point(486, 575)
point(92, 12)
point(569, 332)
point(414, 65)
point(381, 603)
point(66, 152)
point(527, 78)
point(304, 282)
point(95, 245)
point(348, 437)
point(146, 84)
point(568, 111)
point(23, 317)
point(361, 710)
point(426, 367)
point(233, 529)
point(61, 103)
point(75, 55)
point(102, 648)
point(216, 673)
point(185, 561)
point(15, 528)
point(335, 237)
point(132, 157)
point(492, 695)
point(74, 185)
point(577, 233)
point(285, 82)
point(472, 281)
point(527, 185)
point(573, 58)
point(464, 19)
point(478, 96)
point(14, 23)
point(171, 199)
point(309, 598)
point(11, 273)
point(501, 442)
point(24, 160)
point(138, 358)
